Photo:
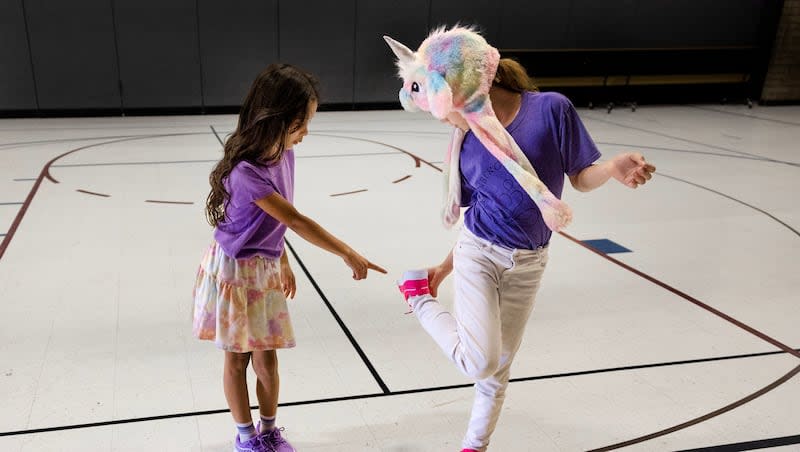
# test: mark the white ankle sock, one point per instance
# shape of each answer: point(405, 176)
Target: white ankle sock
point(246, 431)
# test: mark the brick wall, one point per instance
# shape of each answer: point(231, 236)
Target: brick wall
point(782, 83)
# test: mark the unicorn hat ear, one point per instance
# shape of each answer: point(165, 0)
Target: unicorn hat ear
point(403, 53)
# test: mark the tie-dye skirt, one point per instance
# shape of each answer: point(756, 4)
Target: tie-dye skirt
point(239, 303)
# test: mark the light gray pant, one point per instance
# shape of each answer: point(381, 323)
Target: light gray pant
point(495, 288)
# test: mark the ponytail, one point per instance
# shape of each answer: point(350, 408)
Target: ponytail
point(512, 76)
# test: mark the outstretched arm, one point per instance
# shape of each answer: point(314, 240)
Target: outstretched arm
point(282, 210)
point(630, 169)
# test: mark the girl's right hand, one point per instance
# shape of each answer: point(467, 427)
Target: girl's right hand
point(360, 265)
point(435, 277)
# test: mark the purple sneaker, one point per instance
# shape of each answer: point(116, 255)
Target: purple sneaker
point(254, 444)
point(274, 442)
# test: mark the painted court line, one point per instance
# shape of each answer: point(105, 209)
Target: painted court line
point(349, 192)
point(749, 445)
point(385, 394)
point(167, 202)
point(92, 193)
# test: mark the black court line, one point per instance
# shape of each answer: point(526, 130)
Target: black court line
point(716, 312)
point(749, 445)
point(387, 394)
point(52, 162)
point(678, 292)
point(320, 121)
point(353, 342)
point(158, 162)
point(720, 314)
point(176, 162)
point(685, 296)
point(25, 179)
point(693, 300)
point(383, 132)
point(217, 135)
point(625, 126)
point(4, 146)
point(697, 420)
point(57, 140)
point(45, 174)
point(109, 127)
point(12, 203)
point(362, 154)
point(706, 416)
point(733, 113)
point(417, 160)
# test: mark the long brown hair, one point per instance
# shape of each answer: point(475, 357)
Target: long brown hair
point(512, 76)
point(278, 99)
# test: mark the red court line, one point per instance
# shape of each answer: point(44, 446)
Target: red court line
point(778, 382)
point(689, 298)
point(704, 417)
point(716, 312)
point(683, 295)
point(92, 193)
point(349, 192)
point(417, 160)
point(21, 213)
point(714, 413)
point(401, 179)
point(168, 202)
point(45, 173)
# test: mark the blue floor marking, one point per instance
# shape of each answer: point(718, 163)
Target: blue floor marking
point(607, 246)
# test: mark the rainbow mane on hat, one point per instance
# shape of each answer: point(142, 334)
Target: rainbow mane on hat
point(452, 71)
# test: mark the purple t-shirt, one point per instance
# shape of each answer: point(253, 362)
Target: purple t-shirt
point(554, 139)
point(247, 230)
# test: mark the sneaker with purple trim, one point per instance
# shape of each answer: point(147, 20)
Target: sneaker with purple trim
point(254, 444)
point(413, 284)
point(275, 442)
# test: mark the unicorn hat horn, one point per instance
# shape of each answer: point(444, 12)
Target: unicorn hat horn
point(402, 52)
point(452, 71)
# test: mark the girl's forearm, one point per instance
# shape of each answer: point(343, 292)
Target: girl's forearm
point(592, 176)
point(315, 234)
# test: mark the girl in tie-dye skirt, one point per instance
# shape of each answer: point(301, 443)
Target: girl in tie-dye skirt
point(240, 303)
point(245, 278)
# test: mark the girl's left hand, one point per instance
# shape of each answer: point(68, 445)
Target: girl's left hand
point(631, 169)
point(287, 280)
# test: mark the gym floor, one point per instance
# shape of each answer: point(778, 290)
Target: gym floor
point(667, 319)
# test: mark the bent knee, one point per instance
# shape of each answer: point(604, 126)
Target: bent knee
point(483, 367)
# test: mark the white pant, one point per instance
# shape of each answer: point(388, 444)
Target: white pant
point(495, 288)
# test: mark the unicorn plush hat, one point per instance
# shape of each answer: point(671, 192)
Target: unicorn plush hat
point(453, 71)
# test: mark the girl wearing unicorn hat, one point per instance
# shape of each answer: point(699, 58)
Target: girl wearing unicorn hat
point(511, 148)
